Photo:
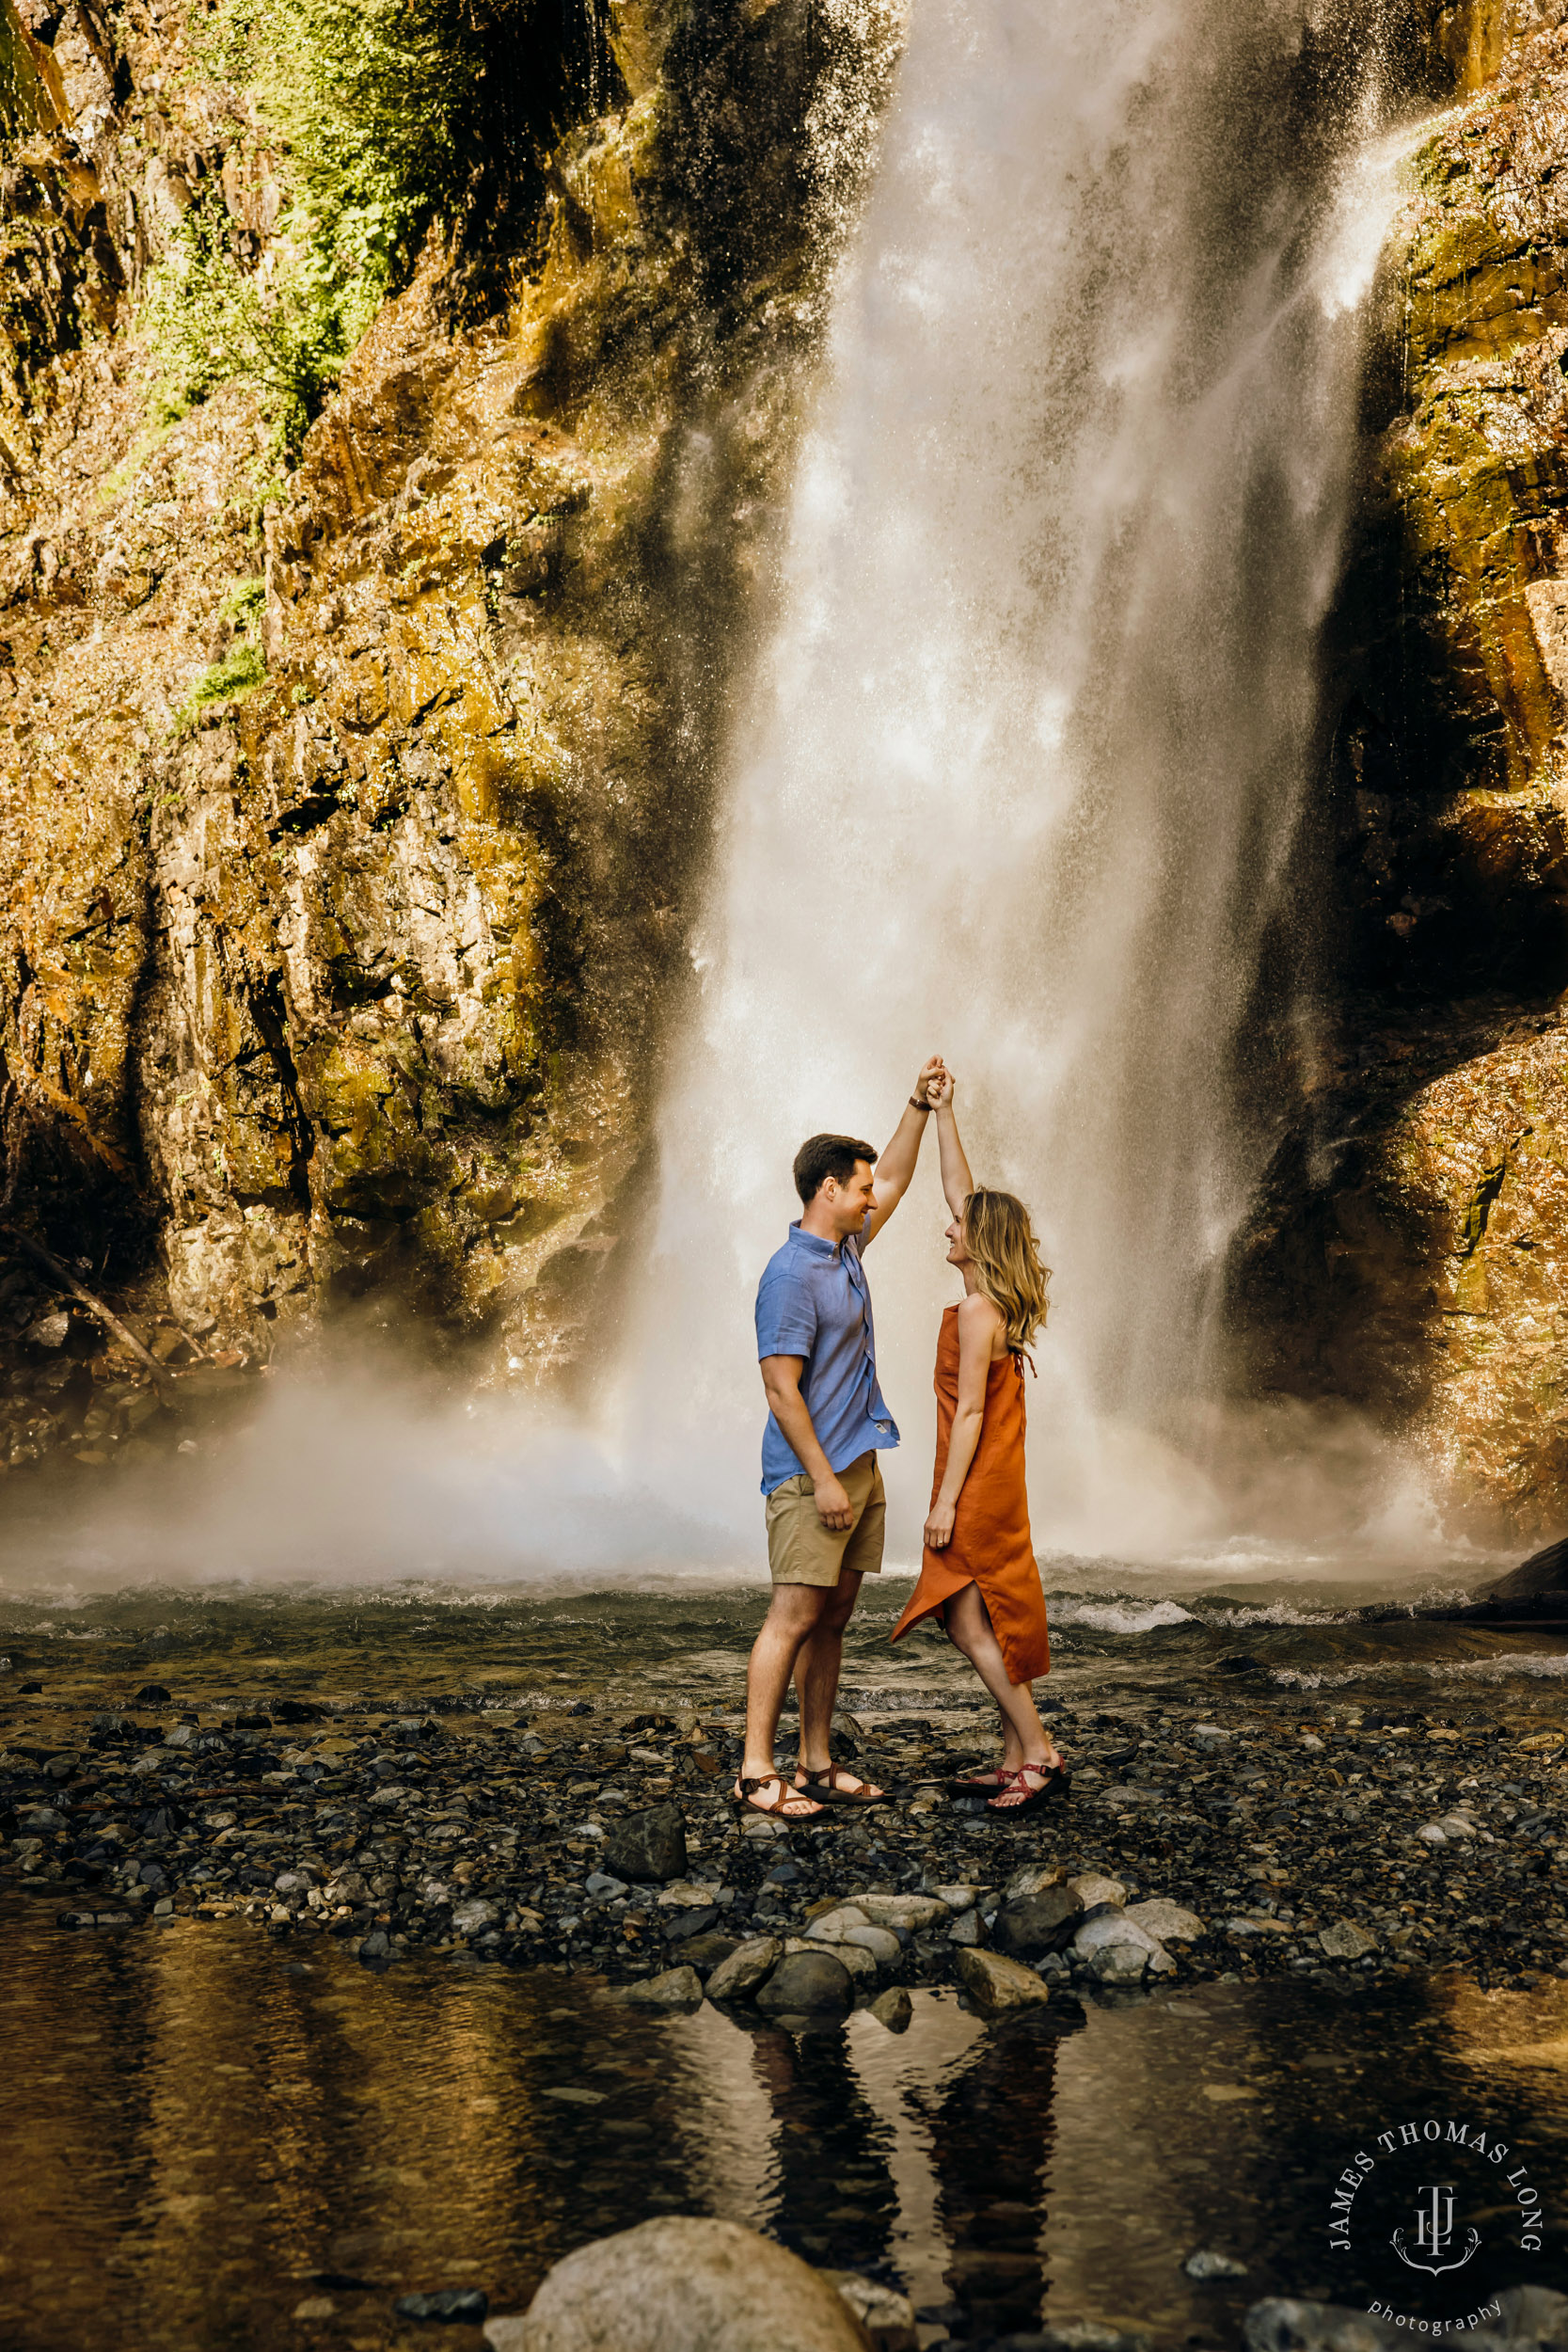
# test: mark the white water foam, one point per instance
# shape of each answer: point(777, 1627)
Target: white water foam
point(1119, 1616)
point(1537, 1665)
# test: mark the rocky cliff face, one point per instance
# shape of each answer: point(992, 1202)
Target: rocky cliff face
point(354, 794)
point(1410, 1252)
point(352, 805)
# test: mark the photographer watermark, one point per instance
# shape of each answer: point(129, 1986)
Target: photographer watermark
point(1433, 2217)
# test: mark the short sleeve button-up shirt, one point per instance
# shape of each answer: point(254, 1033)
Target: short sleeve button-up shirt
point(812, 1302)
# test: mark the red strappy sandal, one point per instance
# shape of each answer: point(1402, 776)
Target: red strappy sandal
point(1051, 1777)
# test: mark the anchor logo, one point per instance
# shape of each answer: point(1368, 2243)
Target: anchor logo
point(1434, 2235)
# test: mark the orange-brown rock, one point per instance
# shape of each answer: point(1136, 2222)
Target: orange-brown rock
point(350, 819)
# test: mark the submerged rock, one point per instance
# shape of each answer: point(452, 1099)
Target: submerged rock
point(887, 2316)
point(461, 2306)
point(1207, 2264)
point(674, 1988)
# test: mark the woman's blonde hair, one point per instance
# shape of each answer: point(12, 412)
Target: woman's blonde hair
point(1000, 1239)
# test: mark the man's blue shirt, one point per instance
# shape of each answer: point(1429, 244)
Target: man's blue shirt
point(812, 1302)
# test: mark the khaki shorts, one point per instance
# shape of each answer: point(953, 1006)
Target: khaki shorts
point(800, 1550)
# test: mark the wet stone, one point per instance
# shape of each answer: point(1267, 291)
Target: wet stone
point(706, 1952)
point(673, 1988)
point(804, 1981)
point(467, 2306)
point(1034, 1924)
point(648, 1846)
point(743, 1969)
point(996, 1984)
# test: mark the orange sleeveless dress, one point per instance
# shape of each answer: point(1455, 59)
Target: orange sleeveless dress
point(991, 1545)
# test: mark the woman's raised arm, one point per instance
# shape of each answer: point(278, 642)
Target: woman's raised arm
point(956, 1181)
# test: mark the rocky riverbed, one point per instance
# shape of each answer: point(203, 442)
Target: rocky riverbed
point(1250, 1837)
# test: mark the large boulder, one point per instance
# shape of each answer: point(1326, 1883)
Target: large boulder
point(807, 1980)
point(682, 2284)
point(1033, 1924)
point(649, 1845)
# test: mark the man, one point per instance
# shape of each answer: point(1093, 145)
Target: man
point(826, 1425)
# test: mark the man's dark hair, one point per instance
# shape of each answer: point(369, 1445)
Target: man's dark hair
point(821, 1156)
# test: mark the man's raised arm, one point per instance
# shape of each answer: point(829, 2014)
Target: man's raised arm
point(896, 1164)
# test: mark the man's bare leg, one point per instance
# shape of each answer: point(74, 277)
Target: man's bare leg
point(793, 1615)
point(816, 1673)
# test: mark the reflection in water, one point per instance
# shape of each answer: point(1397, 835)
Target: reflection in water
point(992, 2133)
point(199, 2131)
point(834, 2198)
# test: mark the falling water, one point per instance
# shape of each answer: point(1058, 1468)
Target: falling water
point(1027, 751)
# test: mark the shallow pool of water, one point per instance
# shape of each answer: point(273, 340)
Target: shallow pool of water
point(202, 2130)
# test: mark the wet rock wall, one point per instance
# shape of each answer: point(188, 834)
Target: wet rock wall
point(1409, 1252)
point(352, 808)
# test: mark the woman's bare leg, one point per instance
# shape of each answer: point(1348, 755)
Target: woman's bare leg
point(1025, 1739)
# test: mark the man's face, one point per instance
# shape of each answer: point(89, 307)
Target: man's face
point(849, 1203)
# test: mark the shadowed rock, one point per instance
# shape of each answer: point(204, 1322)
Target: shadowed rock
point(649, 1845)
point(1034, 1924)
point(806, 1981)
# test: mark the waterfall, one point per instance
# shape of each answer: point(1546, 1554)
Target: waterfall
point(1026, 753)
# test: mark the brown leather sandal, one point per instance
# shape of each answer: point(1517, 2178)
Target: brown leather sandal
point(827, 1780)
point(743, 1792)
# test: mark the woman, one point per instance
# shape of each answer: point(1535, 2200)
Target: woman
point(979, 1574)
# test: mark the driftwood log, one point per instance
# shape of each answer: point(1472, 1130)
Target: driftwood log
point(61, 1273)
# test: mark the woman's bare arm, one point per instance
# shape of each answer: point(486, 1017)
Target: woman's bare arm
point(978, 1323)
point(956, 1181)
